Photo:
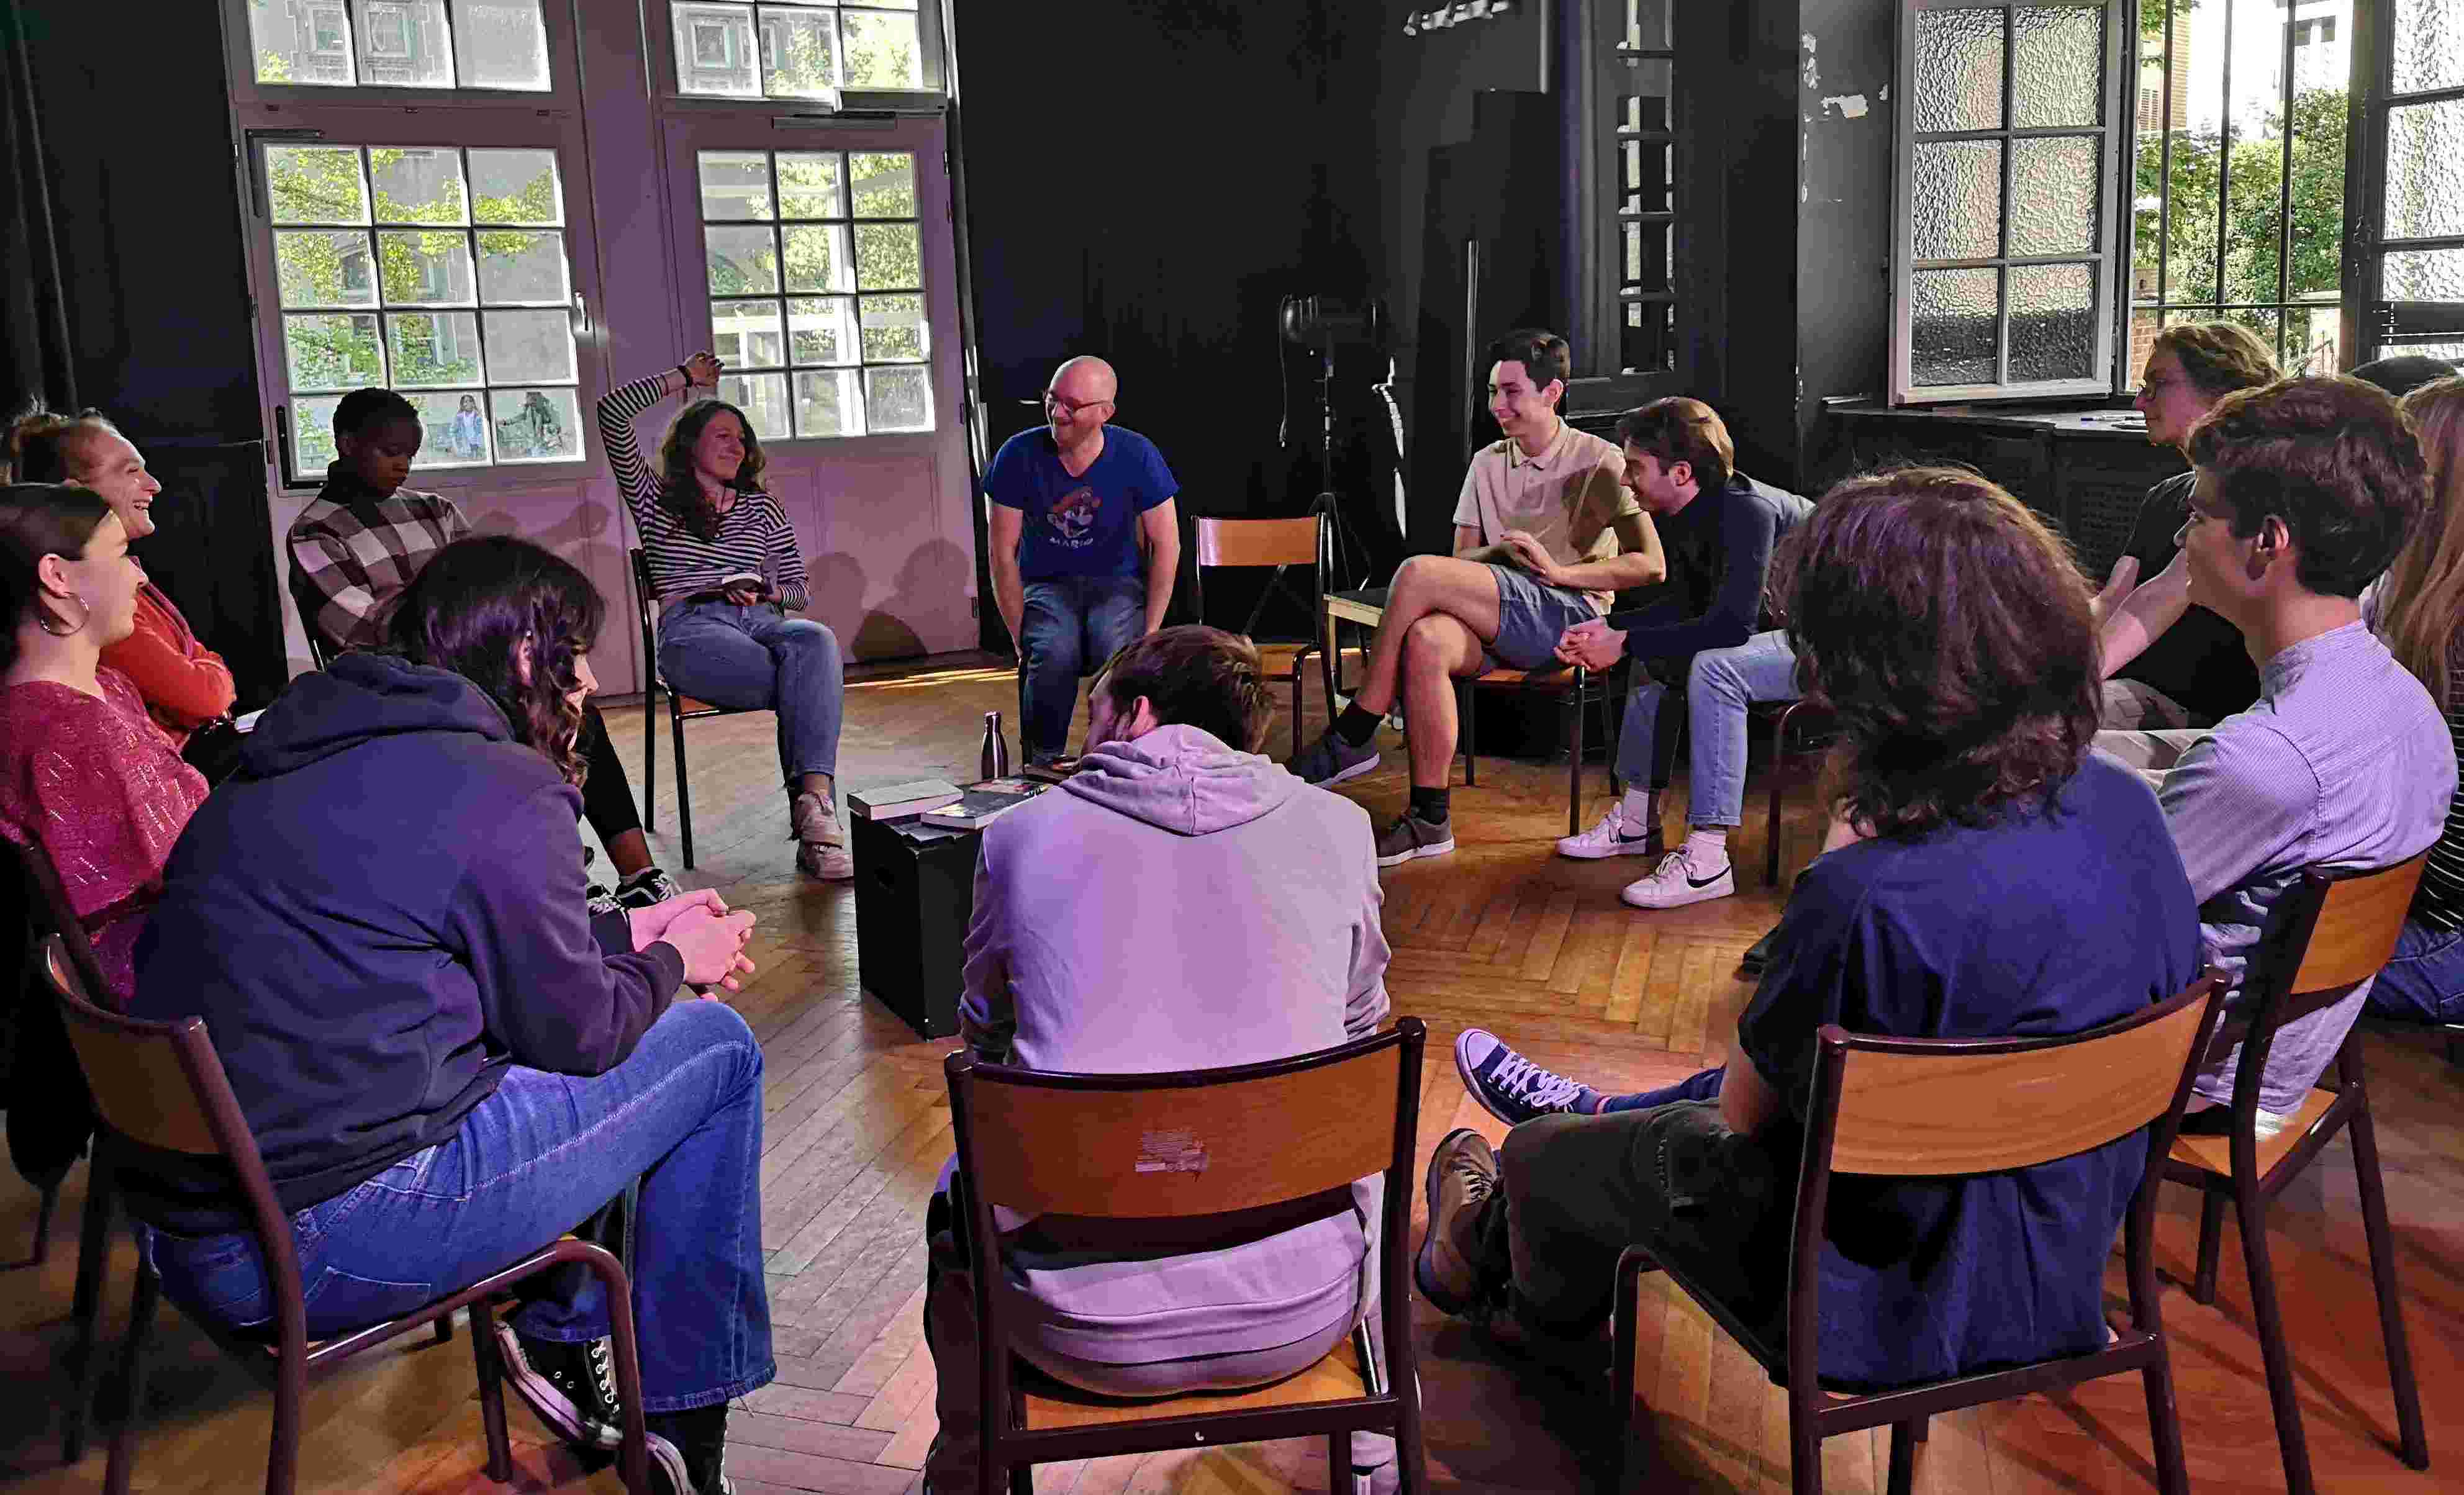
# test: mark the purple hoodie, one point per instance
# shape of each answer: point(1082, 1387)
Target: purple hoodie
point(1177, 904)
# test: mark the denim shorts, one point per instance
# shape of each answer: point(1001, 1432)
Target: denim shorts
point(1531, 616)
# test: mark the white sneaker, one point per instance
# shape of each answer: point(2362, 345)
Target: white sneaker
point(1676, 882)
point(1614, 836)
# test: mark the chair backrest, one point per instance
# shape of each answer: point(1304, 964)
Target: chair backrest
point(1261, 542)
point(48, 907)
point(645, 603)
point(304, 598)
point(2327, 933)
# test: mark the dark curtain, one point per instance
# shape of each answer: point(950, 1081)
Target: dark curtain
point(33, 310)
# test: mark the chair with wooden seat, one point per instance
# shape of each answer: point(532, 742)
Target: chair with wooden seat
point(681, 709)
point(1943, 1109)
point(2329, 933)
point(1207, 1158)
point(1283, 545)
point(161, 1086)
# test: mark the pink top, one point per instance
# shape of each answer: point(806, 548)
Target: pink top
point(100, 787)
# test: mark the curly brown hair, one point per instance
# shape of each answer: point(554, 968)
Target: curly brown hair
point(679, 490)
point(2333, 459)
point(2217, 357)
point(1946, 630)
point(475, 604)
point(1197, 676)
point(1676, 430)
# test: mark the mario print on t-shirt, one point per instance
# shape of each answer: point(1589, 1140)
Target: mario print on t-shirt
point(1073, 518)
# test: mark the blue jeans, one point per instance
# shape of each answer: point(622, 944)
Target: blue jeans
point(1071, 625)
point(759, 659)
point(683, 1113)
point(1700, 1085)
point(1720, 683)
point(2424, 980)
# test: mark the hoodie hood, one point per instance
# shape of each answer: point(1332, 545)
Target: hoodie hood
point(1183, 780)
point(361, 697)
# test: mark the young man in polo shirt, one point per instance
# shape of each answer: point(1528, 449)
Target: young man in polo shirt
point(1545, 537)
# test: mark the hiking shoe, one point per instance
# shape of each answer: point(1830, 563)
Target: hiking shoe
point(1331, 760)
point(820, 846)
point(1676, 882)
point(1462, 1173)
point(1512, 1087)
point(644, 888)
point(1411, 836)
point(1614, 836)
point(571, 1387)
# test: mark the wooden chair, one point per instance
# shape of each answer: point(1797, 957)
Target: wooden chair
point(48, 914)
point(1280, 543)
point(1811, 722)
point(161, 1086)
point(2329, 933)
point(1576, 690)
point(681, 709)
point(1951, 1109)
point(1280, 1145)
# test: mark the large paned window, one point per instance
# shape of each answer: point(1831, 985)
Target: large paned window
point(1645, 207)
point(816, 52)
point(2418, 239)
point(443, 44)
point(2008, 145)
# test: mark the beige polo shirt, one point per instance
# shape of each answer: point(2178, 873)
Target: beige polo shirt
point(1569, 497)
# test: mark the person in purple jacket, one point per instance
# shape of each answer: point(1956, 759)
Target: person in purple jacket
point(1081, 957)
point(446, 1061)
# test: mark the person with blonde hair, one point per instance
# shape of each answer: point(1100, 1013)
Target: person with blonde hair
point(2417, 609)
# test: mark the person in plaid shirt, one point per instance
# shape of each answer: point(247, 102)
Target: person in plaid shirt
point(359, 542)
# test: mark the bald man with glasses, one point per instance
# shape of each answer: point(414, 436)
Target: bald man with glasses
point(1086, 542)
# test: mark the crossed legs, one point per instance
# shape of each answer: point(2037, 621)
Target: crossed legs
point(1441, 615)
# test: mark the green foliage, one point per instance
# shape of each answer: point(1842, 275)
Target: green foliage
point(273, 66)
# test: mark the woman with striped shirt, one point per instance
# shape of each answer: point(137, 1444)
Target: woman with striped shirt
point(2418, 609)
point(724, 560)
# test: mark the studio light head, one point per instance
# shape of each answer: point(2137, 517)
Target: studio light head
point(1329, 322)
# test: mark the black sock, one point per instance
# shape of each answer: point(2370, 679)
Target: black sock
point(1429, 805)
point(1357, 726)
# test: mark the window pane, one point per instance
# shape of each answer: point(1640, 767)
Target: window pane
point(405, 44)
point(2052, 321)
point(716, 52)
point(1951, 326)
point(799, 53)
point(746, 335)
point(882, 49)
point(2425, 275)
point(514, 187)
point(516, 265)
point(1647, 24)
point(2313, 338)
point(1958, 197)
point(333, 352)
point(523, 346)
point(889, 256)
point(416, 185)
point(1959, 70)
point(444, 435)
point(735, 185)
point(2425, 192)
point(464, 440)
point(743, 261)
point(2319, 130)
point(1647, 177)
point(761, 397)
point(301, 43)
point(820, 330)
point(830, 404)
point(816, 258)
point(898, 399)
point(312, 432)
point(501, 44)
point(325, 268)
point(315, 183)
point(2058, 67)
point(424, 268)
point(2429, 45)
point(433, 348)
point(894, 329)
point(809, 185)
point(2054, 192)
point(884, 184)
point(536, 425)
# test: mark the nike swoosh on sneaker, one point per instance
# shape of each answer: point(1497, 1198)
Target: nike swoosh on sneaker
point(1705, 882)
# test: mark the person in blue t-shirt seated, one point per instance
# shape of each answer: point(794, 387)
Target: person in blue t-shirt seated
point(1086, 542)
point(1986, 876)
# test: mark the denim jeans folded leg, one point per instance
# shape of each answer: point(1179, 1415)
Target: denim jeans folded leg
point(759, 659)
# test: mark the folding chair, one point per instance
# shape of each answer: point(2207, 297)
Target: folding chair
point(1281, 544)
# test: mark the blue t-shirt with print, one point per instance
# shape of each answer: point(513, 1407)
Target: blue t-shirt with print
point(1084, 525)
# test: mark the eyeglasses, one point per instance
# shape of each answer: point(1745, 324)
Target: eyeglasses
point(1062, 406)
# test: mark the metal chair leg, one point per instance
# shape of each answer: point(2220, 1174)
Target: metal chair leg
point(487, 1362)
point(121, 1464)
point(1464, 695)
point(2251, 1215)
point(43, 1224)
point(650, 755)
point(94, 1254)
point(684, 790)
point(1905, 1437)
point(2413, 1443)
point(2212, 1220)
point(1574, 767)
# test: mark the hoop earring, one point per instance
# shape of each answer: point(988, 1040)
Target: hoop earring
point(45, 618)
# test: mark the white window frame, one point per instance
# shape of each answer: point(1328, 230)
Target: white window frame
point(932, 23)
point(562, 93)
point(2110, 253)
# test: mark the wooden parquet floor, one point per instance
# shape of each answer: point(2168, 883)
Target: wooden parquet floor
point(1502, 933)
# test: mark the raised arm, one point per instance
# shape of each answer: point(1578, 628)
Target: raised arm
point(620, 407)
point(2143, 617)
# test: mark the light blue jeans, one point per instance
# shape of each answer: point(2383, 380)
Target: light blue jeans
point(1719, 684)
point(758, 659)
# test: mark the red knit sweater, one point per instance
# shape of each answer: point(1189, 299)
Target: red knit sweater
point(185, 684)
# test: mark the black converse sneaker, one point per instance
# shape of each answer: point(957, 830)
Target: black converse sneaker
point(572, 1387)
point(689, 1452)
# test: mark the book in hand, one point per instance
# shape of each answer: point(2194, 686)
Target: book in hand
point(984, 803)
point(899, 800)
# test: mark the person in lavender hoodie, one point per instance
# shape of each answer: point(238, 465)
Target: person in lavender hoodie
point(1180, 903)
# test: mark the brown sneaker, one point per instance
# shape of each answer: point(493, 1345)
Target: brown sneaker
point(821, 849)
point(1462, 1173)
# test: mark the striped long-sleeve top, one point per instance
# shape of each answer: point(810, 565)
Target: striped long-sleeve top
point(753, 534)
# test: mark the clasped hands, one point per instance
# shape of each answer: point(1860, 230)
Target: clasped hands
point(1592, 645)
point(704, 932)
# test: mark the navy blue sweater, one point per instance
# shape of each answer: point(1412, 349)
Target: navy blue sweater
point(1719, 550)
point(377, 913)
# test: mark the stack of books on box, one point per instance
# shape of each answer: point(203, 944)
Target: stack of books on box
point(984, 803)
point(903, 800)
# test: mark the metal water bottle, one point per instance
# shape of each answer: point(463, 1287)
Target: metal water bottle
point(994, 761)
